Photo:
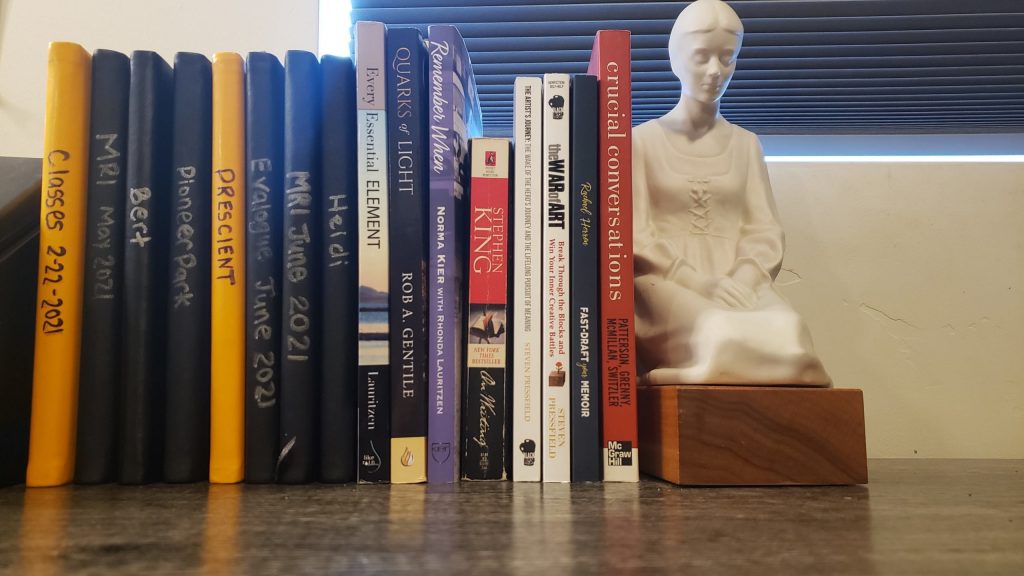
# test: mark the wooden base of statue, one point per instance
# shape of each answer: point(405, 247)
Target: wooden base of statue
point(746, 435)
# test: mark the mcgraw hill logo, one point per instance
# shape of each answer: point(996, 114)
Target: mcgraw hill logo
point(620, 453)
point(529, 450)
point(491, 158)
point(557, 104)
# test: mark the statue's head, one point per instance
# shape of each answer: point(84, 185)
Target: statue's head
point(703, 47)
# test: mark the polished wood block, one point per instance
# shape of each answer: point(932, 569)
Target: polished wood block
point(745, 435)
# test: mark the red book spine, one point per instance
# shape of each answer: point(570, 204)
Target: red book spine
point(610, 62)
point(484, 426)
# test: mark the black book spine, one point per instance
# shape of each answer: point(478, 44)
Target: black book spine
point(300, 300)
point(187, 446)
point(407, 148)
point(585, 353)
point(340, 302)
point(145, 263)
point(99, 375)
point(264, 198)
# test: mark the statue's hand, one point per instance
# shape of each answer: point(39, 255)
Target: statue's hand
point(731, 293)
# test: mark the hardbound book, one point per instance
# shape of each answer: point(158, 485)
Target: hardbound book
point(407, 157)
point(454, 118)
point(556, 368)
point(300, 283)
point(374, 370)
point(525, 288)
point(19, 257)
point(339, 271)
point(264, 137)
point(485, 429)
point(583, 300)
point(187, 433)
point(147, 210)
point(99, 383)
point(610, 62)
point(62, 222)
point(227, 270)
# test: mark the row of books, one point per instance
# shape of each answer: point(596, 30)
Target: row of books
point(261, 272)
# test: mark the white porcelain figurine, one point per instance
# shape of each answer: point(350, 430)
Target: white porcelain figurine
point(707, 239)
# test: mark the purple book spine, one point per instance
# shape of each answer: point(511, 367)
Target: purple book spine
point(454, 118)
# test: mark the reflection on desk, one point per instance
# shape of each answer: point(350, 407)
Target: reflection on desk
point(935, 517)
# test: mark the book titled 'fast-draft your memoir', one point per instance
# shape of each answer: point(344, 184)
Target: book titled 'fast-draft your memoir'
point(374, 372)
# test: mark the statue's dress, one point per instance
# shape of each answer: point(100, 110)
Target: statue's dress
point(700, 218)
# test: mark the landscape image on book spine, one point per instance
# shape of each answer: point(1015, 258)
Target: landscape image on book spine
point(373, 325)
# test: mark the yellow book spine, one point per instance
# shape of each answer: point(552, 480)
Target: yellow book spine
point(409, 460)
point(62, 209)
point(227, 317)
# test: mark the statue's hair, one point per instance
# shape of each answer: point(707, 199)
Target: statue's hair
point(703, 16)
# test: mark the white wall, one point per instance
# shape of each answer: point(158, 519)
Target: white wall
point(204, 26)
point(910, 276)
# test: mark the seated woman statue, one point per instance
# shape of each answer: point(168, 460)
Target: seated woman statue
point(707, 240)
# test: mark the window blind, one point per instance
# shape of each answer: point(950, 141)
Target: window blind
point(806, 66)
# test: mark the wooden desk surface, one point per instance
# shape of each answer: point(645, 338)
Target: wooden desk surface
point(917, 517)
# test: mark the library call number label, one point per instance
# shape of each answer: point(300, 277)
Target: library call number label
point(52, 261)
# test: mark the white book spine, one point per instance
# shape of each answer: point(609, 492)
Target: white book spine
point(371, 121)
point(528, 195)
point(556, 363)
point(374, 382)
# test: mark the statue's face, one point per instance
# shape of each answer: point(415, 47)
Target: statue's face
point(706, 63)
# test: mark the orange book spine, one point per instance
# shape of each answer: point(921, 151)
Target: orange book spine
point(51, 454)
point(227, 315)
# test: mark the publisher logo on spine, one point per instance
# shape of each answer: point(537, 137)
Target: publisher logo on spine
point(620, 453)
point(372, 461)
point(440, 452)
point(529, 450)
point(557, 104)
point(491, 158)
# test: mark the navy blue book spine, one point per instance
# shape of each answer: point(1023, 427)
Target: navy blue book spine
point(99, 373)
point(264, 156)
point(147, 207)
point(187, 434)
point(300, 287)
point(583, 280)
point(407, 149)
point(339, 271)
